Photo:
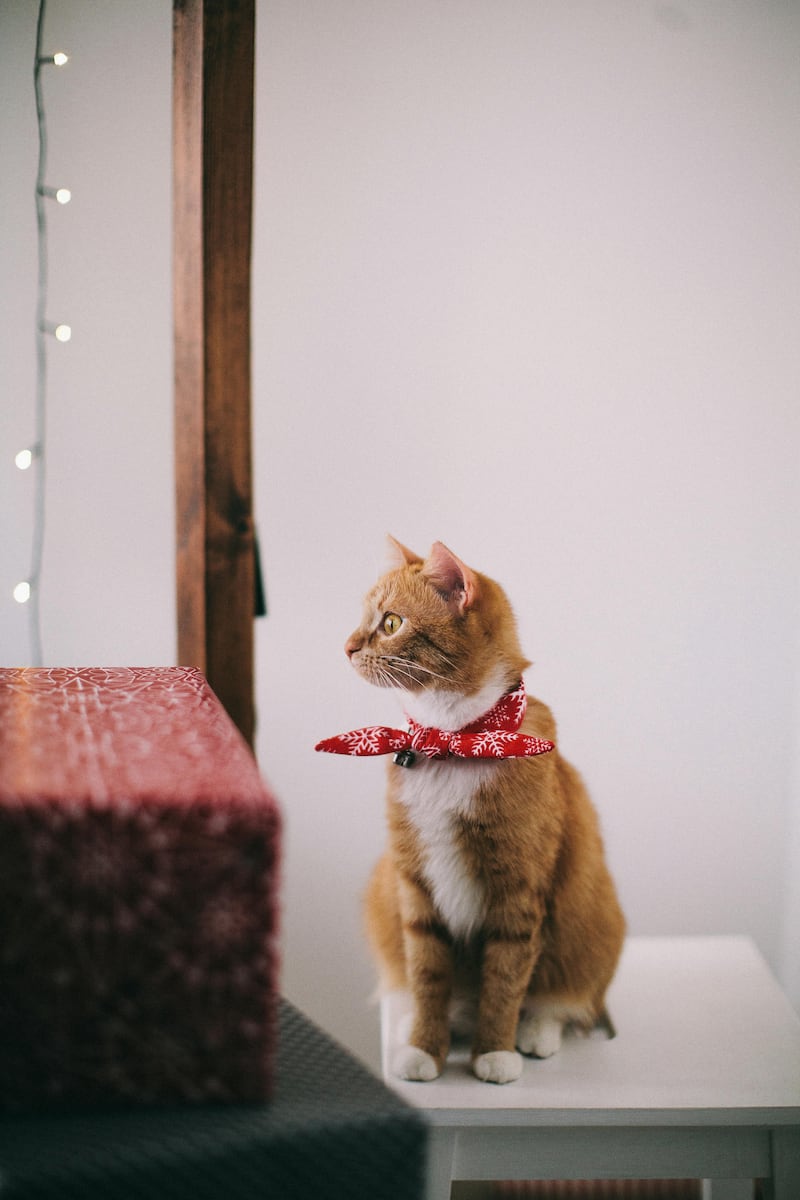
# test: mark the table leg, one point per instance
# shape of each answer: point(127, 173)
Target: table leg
point(785, 1164)
point(727, 1189)
point(441, 1150)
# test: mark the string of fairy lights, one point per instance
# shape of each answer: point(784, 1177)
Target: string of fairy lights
point(33, 457)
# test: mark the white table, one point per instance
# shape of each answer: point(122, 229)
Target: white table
point(702, 1080)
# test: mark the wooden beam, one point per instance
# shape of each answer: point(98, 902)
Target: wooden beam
point(213, 51)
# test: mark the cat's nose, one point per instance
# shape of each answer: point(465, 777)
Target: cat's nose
point(352, 644)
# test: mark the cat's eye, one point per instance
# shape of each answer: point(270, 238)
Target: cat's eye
point(391, 623)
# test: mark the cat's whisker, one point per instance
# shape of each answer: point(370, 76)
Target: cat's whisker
point(397, 672)
point(384, 677)
point(401, 674)
point(412, 668)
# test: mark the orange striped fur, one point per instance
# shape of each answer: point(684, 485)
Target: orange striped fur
point(493, 894)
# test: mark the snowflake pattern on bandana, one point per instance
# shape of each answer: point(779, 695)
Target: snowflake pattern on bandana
point(494, 735)
point(493, 743)
point(376, 739)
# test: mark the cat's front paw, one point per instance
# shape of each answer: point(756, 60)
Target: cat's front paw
point(498, 1066)
point(540, 1036)
point(412, 1063)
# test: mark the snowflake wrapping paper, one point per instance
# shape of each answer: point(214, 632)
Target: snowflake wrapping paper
point(138, 895)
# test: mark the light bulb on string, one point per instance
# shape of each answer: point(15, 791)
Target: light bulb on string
point(61, 195)
point(24, 458)
point(60, 330)
point(59, 59)
point(22, 592)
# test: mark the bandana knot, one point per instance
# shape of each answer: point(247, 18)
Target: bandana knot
point(494, 735)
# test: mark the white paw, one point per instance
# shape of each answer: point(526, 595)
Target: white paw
point(498, 1066)
point(412, 1063)
point(539, 1035)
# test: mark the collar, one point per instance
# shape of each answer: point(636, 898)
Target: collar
point(493, 735)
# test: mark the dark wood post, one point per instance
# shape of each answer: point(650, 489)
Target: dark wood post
point(213, 51)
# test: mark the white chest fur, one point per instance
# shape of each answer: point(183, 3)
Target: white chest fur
point(435, 794)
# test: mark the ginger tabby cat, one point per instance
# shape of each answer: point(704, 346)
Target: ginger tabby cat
point(494, 889)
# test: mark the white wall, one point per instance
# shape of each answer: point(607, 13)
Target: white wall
point(525, 279)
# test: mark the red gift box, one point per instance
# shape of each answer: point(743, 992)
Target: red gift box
point(138, 909)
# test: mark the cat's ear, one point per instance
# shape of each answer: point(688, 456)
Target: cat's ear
point(400, 555)
point(452, 578)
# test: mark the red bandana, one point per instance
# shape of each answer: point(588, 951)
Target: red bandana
point(494, 735)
